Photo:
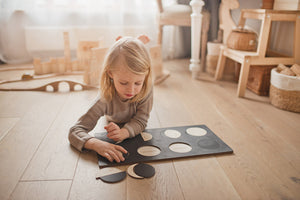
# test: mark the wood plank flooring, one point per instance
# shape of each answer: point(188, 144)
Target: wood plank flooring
point(37, 161)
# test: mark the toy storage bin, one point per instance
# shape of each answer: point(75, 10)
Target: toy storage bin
point(285, 91)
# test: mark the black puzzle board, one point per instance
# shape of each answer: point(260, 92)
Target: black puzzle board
point(207, 144)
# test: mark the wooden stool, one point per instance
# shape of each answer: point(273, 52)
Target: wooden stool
point(259, 57)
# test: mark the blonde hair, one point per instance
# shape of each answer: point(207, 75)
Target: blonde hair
point(136, 57)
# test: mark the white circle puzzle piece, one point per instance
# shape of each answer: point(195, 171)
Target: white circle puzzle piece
point(172, 133)
point(148, 151)
point(179, 147)
point(195, 131)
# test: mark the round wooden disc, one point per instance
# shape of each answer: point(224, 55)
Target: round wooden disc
point(144, 170)
point(131, 172)
point(179, 147)
point(172, 133)
point(196, 131)
point(146, 136)
point(148, 150)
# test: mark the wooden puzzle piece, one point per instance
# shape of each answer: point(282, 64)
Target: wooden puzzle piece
point(146, 136)
point(144, 170)
point(131, 172)
point(111, 175)
point(180, 147)
point(172, 133)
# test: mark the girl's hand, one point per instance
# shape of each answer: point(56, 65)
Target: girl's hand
point(115, 133)
point(110, 151)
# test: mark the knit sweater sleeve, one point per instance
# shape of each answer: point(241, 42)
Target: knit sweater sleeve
point(139, 121)
point(78, 133)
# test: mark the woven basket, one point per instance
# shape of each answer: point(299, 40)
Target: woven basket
point(242, 39)
point(258, 78)
point(285, 91)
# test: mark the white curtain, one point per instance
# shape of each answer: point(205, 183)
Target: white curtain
point(31, 28)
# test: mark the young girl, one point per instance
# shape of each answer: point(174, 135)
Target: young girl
point(126, 99)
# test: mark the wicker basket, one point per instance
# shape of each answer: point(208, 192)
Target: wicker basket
point(242, 39)
point(285, 91)
point(258, 78)
point(213, 50)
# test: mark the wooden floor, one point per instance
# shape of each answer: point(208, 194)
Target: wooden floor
point(37, 161)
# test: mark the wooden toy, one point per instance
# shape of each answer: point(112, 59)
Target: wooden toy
point(90, 60)
point(111, 175)
point(56, 65)
point(131, 172)
point(54, 85)
point(37, 66)
point(93, 70)
point(84, 54)
point(67, 52)
point(144, 170)
point(113, 178)
point(191, 141)
point(65, 64)
point(296, 69)
point(287, 71)
point(160, 74)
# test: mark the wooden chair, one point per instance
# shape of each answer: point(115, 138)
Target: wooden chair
point(177, 15)
point(260, 56)
point(180, 15)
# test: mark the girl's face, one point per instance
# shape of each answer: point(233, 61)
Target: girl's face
point(127, 83)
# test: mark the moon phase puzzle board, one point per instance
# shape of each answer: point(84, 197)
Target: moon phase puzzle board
point(167, 143)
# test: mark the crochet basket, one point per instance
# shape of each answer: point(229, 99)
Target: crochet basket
point(285, 91)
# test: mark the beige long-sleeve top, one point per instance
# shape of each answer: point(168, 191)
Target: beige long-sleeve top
point(134, 115)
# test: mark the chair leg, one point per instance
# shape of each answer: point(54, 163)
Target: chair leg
point(159, 36)
point(243, 78)
point(220, 65)
point(171, 43)
point(203, 50)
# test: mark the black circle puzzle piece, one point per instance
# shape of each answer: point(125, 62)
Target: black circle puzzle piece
point(113, 178)
point(144, 170)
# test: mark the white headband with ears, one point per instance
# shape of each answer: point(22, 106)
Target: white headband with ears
point(143, 38)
